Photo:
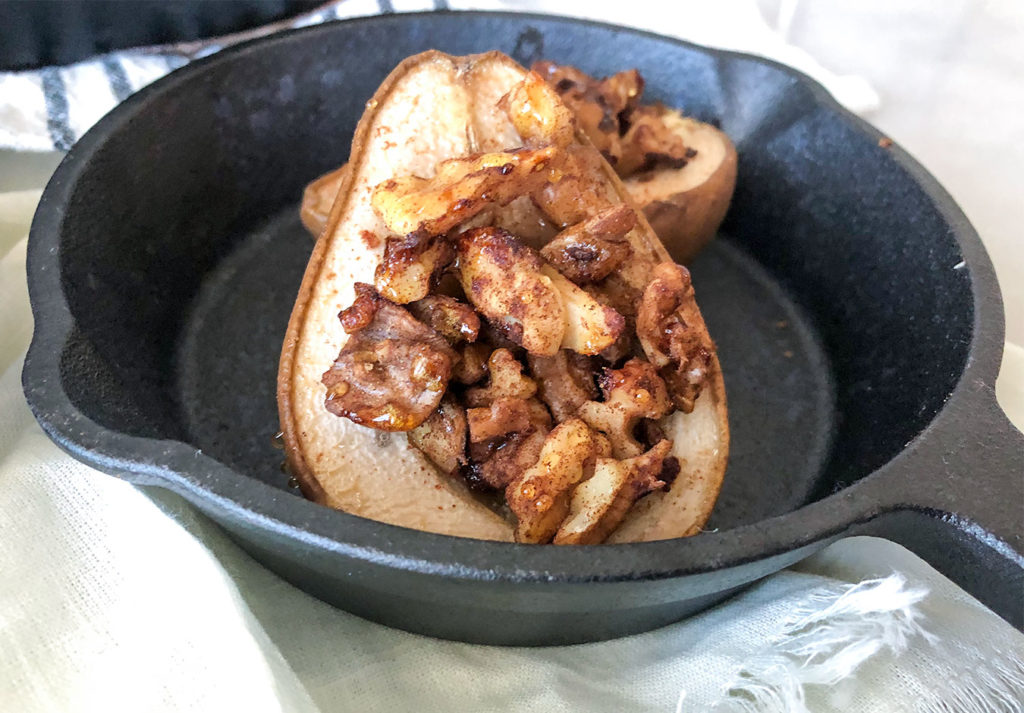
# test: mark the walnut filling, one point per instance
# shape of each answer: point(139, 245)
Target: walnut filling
point(530, 369)
point(633, 137)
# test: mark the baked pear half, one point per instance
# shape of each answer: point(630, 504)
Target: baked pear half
point(490, 341)
point(680, 171)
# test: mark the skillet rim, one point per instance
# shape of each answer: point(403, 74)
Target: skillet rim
point(222, 492)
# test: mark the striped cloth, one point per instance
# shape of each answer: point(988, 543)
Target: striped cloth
point(51, 108)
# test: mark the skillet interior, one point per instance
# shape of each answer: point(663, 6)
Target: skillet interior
point(181, 252)
point(181, 285)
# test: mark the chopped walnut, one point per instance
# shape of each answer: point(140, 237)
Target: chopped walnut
point(392, 371)
point(539, 497)
point(507, 381)
point(454, 320)
point(461, 188)
point(599, 105)
point(442, 437)
point(601, 502)
point(632, 137)
point(633, 392)
point(538, 114)
point(497, 462)
point(571, 195)
point(671, 332)
point(505, 415)
point(409, 263)
point(472, 365)
point(493, 465)
point(590, 326)
point(503, 280)
point(650, 143)
point(592, 250)
point(566, 382)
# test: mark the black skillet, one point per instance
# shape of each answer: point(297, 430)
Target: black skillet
point(858, 319)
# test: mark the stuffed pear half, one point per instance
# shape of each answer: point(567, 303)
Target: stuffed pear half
point(490, 341)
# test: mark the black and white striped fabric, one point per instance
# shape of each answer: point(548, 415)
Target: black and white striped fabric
point(50, 109)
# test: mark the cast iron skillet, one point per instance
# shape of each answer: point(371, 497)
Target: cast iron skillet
point(858, 318)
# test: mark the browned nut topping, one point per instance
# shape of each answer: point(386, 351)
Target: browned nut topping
point(600, 503)
point(507, 381)
point(452, 319)
point(590, 251)
point(566, 380)
point(651, 143)
point(442, 437)
point(472, 366)
point(392, 371)
point(571, 195)
point(504, 415)
point(461, 188)
point(668, 326)
point(539, 116)
point(539, 497)
point(632, 137)
point(633, 392)
point(599, 105)
point(495, 464)
point(409, 263)
point(363, 309)
point(502, 278)
point(590, 326)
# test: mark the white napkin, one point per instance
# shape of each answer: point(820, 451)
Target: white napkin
point(51, 108)
point(117, 599)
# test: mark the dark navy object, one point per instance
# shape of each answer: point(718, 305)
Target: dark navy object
point(38, 33)
point(858, 318)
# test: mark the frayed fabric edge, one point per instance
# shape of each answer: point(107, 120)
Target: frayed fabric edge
point(827, 638)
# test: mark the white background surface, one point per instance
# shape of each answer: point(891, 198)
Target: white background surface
point(951, 78)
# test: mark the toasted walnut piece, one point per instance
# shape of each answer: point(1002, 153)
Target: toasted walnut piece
point(671, 333)
point(650, 143)
point(566, 381)
point(454, 320)
point(392, 371)
point(507, 381)
point(633, 392)
point(503, 279)
point(590, 326)
point(363, 309)
point(599, 105)
point(408, 265)
point(496, 463)
point(461, 188)
point(601, 502)
point(442, 437)
point(572, 194)
point(504, 415)
point(538, 114)
point(632, 137)
point(472, 366)
point(590, 251)
point(539, 497)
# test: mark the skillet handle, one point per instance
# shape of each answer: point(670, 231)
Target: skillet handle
point(957, 501)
